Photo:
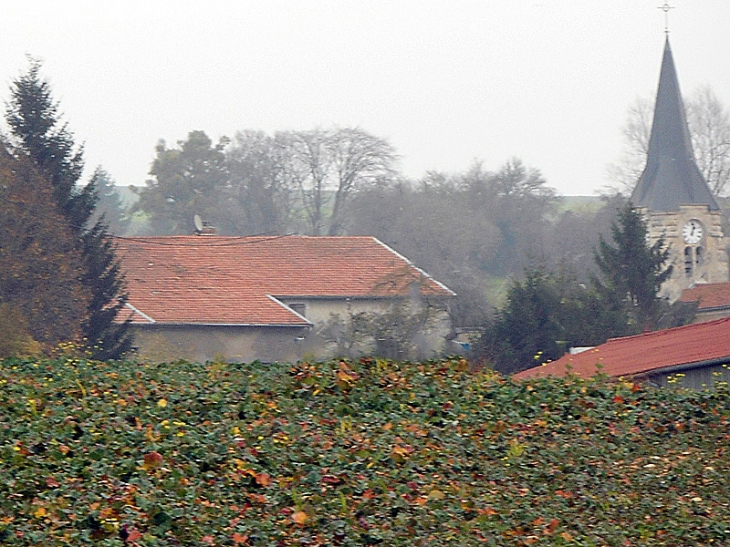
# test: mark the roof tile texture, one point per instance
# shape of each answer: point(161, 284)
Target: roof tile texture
point(708, 295)
point(229, 280)
point(643, 353)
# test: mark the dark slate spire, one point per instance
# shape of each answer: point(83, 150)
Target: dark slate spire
point(671, 177)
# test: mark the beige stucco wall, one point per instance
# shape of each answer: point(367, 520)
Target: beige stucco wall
point(333, 328)
point(159, 343)
point(713, 267)
point(331, 320)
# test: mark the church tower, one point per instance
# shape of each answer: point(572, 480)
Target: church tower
point(674, 197)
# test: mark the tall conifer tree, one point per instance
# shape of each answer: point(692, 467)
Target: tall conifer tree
point(632, 271)
point(35, 124)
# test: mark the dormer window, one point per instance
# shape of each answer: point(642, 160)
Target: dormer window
point(299, 307)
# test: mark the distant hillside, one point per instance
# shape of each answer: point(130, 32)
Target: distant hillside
point(581, 203)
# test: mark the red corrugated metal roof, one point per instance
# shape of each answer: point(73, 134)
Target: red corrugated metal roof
point(708, 295)
point(645, 352)
point(215, 279)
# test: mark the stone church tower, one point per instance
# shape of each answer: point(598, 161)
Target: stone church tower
point(674, 197)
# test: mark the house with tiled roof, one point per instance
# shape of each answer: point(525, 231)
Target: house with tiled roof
point(712, 299)
point(281, 298)
point(695, 356)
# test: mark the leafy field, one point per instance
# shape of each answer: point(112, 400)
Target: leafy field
point(353, 453)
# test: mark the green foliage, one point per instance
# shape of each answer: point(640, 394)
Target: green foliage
point(35, 124)
point(632, 272)
point(106, 338)
point(545, 313)
point(184, 183)
point(530, 328)
point(353, 453)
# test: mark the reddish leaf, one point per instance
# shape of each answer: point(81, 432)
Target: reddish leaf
point(152, 460)
point(239, 539)
point(551, 527)
point(133, 535)
point(263, 479)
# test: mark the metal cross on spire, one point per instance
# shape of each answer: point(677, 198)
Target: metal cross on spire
point(665, 8)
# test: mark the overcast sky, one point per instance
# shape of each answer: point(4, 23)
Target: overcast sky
point(446, 82)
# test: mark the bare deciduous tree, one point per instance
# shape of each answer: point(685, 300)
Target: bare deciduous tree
point(709, 123)
point(359, 160)
point(328, 167)
point(256, 198)
point(635, 134)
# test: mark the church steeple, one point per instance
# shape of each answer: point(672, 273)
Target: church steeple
point(671, 177)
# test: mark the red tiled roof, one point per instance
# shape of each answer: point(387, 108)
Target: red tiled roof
point(643, 353)
point(709, 295)
point(231, 280)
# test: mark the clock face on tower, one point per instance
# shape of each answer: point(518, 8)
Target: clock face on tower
point(692, 231)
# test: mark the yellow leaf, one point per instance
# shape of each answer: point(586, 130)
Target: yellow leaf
point(40, 512)
point(300, 517)
point(151, 435)
point(162, 403)
point(436, 495)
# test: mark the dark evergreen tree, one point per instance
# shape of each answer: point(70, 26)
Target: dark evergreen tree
point(632, 271)
point(527, 330)
point(35, 125)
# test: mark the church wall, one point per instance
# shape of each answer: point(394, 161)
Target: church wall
point(705, 261)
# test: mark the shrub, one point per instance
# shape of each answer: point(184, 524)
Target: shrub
point(368, 452)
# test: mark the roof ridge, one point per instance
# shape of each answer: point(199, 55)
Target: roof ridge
point(664, 332)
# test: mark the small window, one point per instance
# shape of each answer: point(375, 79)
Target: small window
point(688, 261)
point(699, 255)
point(299, 307)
